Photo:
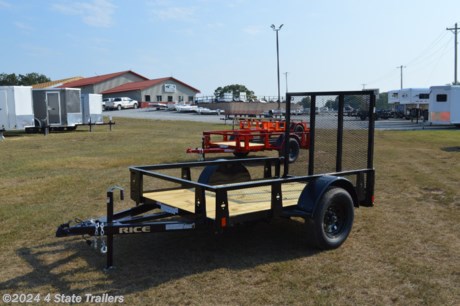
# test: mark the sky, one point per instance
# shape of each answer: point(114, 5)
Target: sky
point(323, 45)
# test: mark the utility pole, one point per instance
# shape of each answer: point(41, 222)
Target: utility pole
point(364, 86)
point(455, 31)
point(401, 67)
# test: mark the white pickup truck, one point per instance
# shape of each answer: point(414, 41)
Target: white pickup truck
point(123, 102)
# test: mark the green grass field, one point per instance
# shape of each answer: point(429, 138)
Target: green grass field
point(403, 251)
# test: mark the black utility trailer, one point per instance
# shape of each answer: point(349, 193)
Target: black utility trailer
point(323, 187)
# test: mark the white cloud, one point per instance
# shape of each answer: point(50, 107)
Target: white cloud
point(97, 13)
point(4, 4)
point(175, 13)
point(166, 10)
point(23, 26)
point(253, 29)
point(38, 51)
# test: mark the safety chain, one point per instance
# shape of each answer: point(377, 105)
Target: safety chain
point(99, 235)
point(103, 246)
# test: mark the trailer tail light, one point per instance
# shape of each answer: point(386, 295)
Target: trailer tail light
point(223, 222)
point(373, 199)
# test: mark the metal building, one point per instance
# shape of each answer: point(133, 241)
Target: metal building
point(101, 83)
point(162, 90)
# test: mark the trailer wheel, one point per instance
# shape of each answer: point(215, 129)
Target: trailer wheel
point(333, 219)
point(240, 154)
point(224, 174)
point(299, 130)
point(294, 150)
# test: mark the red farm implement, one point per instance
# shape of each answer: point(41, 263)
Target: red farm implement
point(256, 135)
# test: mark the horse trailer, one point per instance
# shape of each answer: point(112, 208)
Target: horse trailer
point(445, 105)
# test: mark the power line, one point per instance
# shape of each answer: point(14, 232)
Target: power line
point(424, 52)
point(422, 58)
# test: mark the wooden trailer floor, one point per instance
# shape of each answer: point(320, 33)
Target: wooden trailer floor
point(241, 201)
point(233, 144)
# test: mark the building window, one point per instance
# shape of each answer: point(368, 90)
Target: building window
point(424, 96)
point(170, 98)
point(147, 98)
point(441, 98)
point(181, 98)
point(190, 98)
point(159, 99)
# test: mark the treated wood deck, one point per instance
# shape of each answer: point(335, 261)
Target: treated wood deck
point(233, 144)
point(241, 201)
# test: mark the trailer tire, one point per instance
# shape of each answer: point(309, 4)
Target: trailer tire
point(240, 154)
point(333, 219)
point(294, 150)
point(224, 174)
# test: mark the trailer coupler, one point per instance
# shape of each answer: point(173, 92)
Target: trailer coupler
point(98, 233)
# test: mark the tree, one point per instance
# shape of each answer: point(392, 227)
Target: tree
point(33, 78)
point(8, 79)
point(382, 101)
point(23, 79)
point(235, 89)
point(306, 102)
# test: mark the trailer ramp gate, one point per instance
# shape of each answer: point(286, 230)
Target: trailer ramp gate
point(334, 175)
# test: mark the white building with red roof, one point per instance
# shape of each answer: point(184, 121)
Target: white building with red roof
point(100, 83)
point(162, 90)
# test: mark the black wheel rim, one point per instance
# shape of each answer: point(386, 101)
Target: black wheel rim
point(334, 221)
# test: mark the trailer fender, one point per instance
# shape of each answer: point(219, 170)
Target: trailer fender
point(224, 174)
point(312, 193)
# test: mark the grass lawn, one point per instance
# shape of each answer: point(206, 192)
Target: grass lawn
point(404, 251)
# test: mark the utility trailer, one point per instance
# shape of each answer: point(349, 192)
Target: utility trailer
point(323, 187)
point(255, 135)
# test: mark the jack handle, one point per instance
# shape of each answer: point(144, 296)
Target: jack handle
point(122, 191)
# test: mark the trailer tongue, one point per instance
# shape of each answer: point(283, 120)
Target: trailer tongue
point(223, 193)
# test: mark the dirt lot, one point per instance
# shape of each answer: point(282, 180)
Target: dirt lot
point(403, 251)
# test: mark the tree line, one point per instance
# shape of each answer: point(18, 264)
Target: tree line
point(28, 79)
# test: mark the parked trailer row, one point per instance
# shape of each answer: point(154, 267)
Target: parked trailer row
point(439, 105)
point(33, 110)
point(220, 194)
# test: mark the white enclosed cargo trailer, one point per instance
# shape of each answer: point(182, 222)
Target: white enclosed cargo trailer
point(445, 105)
point(91, 106)
point(16, 111)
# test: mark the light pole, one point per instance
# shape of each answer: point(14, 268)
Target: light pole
point(286, 73)
point(278, 61)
